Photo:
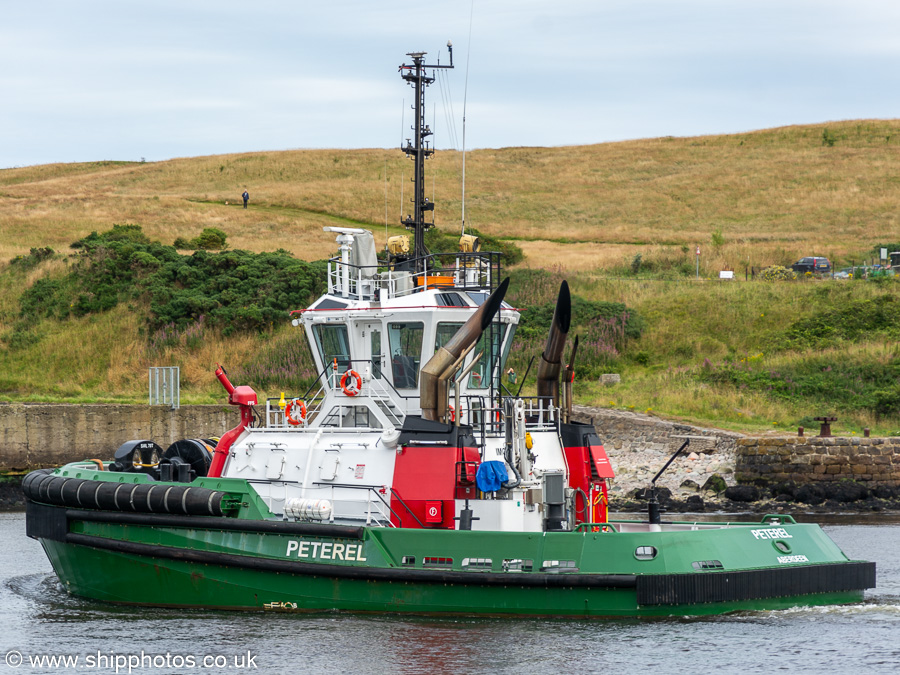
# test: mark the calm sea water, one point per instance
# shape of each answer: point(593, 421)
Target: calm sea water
point(38, 618)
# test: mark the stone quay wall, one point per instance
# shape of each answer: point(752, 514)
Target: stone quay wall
point(871, 461)
point(34, 436)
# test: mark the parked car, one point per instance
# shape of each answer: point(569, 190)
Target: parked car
point(815, 264)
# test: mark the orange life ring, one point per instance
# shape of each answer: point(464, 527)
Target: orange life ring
point(289, 408)
point(348, 388)
point(452, 414)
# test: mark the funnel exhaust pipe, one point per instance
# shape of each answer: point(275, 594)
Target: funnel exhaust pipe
point(434, 376)
point(551, 359)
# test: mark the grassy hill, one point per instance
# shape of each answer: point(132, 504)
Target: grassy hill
point(753, 199)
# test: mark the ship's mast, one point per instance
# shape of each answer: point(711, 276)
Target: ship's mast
point(419, 149)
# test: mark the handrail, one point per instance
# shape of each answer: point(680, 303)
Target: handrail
point(408, 510)
point(469, 271)
point(585, 499)
point(376, 490)
point(602, 527)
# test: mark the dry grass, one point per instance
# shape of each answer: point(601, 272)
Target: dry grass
point(774, 194)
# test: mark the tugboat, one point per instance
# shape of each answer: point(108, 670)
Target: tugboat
point(408, 478)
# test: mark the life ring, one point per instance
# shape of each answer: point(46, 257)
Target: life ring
point(452, 414)
point(349, 388)
point(289, 408)
point(476, 378)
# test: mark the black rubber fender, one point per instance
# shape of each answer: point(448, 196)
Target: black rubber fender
point(44, 487)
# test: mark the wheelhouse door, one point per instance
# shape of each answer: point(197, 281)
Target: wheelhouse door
point(373, 348)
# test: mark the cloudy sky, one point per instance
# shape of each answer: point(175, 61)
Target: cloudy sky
point(155, 79)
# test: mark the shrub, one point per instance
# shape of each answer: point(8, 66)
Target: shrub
point(211, 239)
point(34, 258)
point(234, 290)
point(636, 264)
point(851, 321)
point(777, 273)
point(603, 328)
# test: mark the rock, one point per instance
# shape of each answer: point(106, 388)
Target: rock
point(695, 503)
point(690, 484)
point(810, 494)
point(742, 493)
point(845, 491)
point(610, 378)
point(788, 488)
point(714, 483)
point(784, 497)
point(886, 492)
point(693, 456)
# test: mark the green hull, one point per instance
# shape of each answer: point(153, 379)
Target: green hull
point(162, 561)
point(129, 579)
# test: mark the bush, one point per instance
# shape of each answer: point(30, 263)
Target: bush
point(636, 264)
point(852, 321)
point(34, 258)
point(235, 290)
point(211, 239)
point(777, 273)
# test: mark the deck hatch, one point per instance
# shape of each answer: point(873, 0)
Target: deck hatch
point(687, 589)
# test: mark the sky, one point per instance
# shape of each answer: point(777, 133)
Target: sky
point(155, 79)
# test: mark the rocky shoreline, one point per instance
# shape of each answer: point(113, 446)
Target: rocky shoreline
point(838, 497)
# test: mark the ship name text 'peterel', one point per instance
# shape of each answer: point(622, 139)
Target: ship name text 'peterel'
point(325, 550)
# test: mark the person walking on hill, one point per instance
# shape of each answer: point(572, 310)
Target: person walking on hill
point(245, 197)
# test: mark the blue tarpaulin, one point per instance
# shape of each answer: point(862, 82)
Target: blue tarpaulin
point(491, 476)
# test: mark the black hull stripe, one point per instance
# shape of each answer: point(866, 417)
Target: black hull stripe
point(211, 523)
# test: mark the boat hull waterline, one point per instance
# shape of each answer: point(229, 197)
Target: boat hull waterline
point(229, 563)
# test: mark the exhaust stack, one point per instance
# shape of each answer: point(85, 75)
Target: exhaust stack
point(434, 376)
point(551, 359)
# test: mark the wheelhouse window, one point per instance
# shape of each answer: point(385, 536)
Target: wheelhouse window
point(333, 343)
point(405, 340)
point(445, 331)
point(480, 376)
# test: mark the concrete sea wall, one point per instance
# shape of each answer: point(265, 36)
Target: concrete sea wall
point(34, 436)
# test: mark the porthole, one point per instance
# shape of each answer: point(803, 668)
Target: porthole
point(645, 552)
point(782, 546)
